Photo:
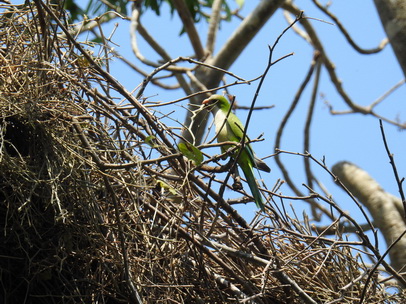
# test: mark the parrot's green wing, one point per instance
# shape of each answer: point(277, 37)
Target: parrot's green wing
point(238, 132)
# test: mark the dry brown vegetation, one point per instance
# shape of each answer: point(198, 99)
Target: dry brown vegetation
point(98, 206)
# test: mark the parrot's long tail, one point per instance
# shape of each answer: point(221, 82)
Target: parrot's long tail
point(252, 183)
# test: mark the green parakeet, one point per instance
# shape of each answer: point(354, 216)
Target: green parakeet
point(229, 128)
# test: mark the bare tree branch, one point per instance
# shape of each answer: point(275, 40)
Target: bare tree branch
point(394, 168)
point(380, 204)
point(347, 35)
point(226, 56)
point(213, 25)
point(393, 17)
point(329, 65)
point(190, 28)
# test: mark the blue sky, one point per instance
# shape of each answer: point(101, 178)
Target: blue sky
point(354, 137)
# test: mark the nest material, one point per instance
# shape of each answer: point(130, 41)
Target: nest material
point(87, 216)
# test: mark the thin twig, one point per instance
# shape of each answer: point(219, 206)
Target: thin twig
point(399, 181)
point(347, 35)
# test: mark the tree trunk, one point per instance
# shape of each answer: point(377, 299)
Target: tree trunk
point(196, 125)
point(393, 17)
point(386, 209)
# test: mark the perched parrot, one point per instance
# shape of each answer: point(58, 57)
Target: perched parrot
point(230, 128)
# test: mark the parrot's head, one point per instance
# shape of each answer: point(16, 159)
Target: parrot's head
point(217, 100)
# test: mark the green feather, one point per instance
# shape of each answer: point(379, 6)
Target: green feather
point(230, 128)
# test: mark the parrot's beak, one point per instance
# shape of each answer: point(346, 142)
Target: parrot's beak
point(206, 101)
point(209, 102)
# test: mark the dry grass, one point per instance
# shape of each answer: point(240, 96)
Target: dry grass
point(92, 213)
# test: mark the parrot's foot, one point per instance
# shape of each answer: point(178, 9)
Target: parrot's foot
point(237, 185)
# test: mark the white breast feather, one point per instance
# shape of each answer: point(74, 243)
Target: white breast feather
point(221, 128)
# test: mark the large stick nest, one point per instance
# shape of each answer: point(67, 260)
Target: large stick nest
point(97, 205)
